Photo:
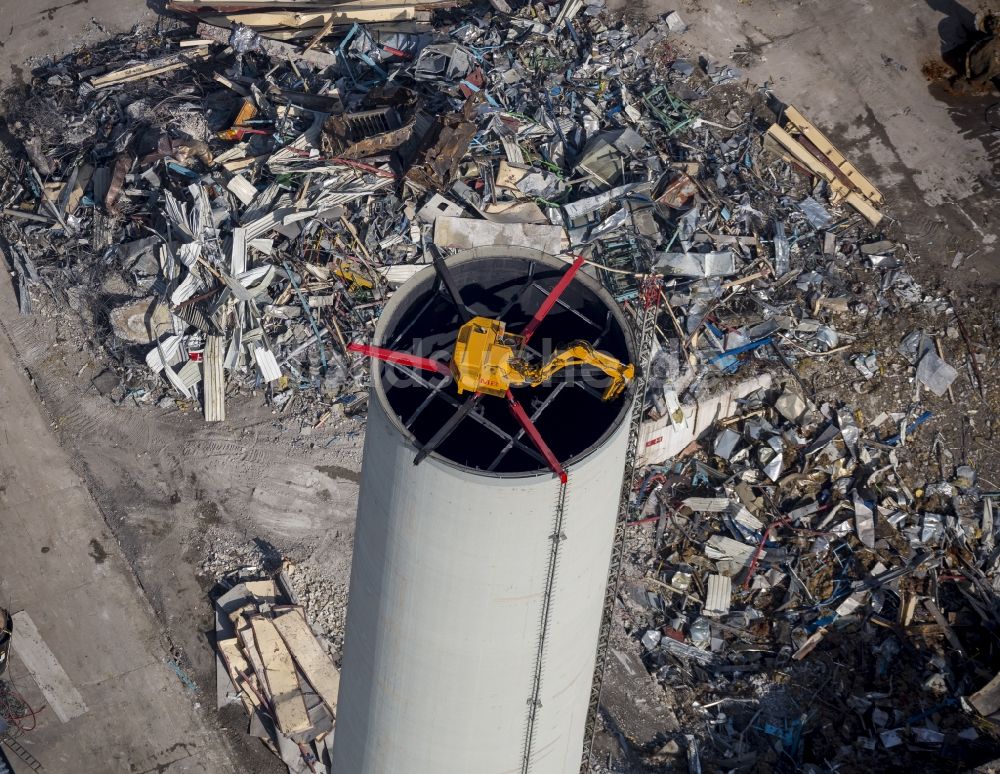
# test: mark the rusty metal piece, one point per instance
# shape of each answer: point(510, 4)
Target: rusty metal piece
point(679, 193)
point(122, 165)
point(441, 160)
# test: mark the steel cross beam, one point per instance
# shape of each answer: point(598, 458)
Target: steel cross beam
point(400, 358)
point(550, 300)
point(503, 434)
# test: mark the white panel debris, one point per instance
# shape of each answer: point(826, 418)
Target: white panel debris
point(718, 598)
point(266, 364)
point(242, 188)
point(464, 233)
point(660, 440)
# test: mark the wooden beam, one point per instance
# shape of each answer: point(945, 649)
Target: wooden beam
point(273, 48)
point(820, 140)
point(343, 14)
point(282, 683)
point(313, 661)
point(801, 154)
point(148, 69)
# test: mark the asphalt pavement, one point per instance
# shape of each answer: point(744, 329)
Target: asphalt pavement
point(88, 653)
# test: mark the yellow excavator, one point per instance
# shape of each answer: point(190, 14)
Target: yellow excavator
point(484, 361)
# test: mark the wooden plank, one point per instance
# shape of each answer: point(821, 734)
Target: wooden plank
point(342, 14)
point(324, 31)
point(799, 153)
point(237, 5)
point(419, 24)
point(858, 202)
point(272, 48)
point(820, 140)
point(238, 164)
point(83, 176)
point(279, 674)
point(313, 661)
point(148, 69)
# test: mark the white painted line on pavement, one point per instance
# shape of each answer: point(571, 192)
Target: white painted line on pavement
point(51, 678)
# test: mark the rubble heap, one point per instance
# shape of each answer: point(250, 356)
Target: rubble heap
point(271, 661)
point(812, 571)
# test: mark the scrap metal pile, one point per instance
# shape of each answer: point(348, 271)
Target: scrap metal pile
point(225, 217)
point(227, 208)
point(810, 599)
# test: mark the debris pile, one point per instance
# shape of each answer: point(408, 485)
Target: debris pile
point(813, 570)
point(225, 209)
point(792, 542)
point(224, 216)
point(271, 661)
point(229, 561)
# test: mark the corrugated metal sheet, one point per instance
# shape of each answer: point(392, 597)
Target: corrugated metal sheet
point(707, 504)
point(175, 380)
point(238, 252)
point(190, 374)
point(722, 547)
point(266, 364)
point(165, 353)
point(215, 380)
point(719, 596)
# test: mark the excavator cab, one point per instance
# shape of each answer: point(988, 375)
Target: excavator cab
point(480, 362)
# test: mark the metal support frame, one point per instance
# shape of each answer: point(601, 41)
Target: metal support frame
point(626, 254)
point(534, 701)
point(436, 389)
point(673, 113)
point(650, 313)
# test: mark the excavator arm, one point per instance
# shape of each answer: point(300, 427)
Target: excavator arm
point(520, 372)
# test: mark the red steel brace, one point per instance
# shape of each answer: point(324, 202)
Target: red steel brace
point(550, 300)
point(529, 427)
point(402, 358)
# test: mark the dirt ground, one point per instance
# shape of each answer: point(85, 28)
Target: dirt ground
point(180, 494)
point(186, 500)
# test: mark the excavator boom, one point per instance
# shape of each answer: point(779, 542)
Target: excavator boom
point(578, 353)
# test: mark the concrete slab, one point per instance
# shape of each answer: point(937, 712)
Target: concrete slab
point(94, 643)
point(45, 669)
